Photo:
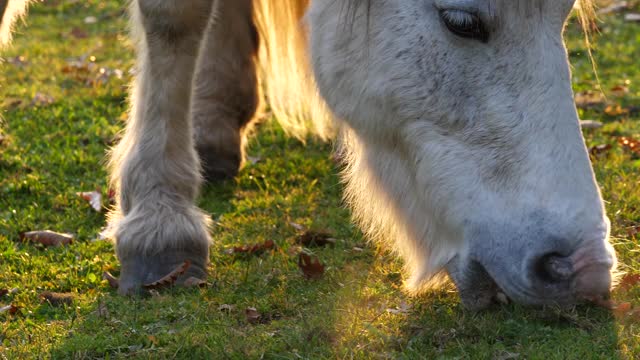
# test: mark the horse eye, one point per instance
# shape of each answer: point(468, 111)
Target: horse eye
point(465, 24)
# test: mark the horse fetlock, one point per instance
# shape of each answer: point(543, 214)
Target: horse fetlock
point(157, 236)
point(140, 269)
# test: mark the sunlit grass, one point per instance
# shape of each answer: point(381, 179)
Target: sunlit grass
point(357, 310)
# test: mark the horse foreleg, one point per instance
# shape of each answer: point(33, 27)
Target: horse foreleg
point(225, 96)
point(155, 168)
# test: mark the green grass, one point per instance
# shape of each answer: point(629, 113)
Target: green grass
point(52, 151)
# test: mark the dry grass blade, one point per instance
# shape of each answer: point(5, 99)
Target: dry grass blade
point(169, 279)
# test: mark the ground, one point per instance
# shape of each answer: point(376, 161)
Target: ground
point(64, 85)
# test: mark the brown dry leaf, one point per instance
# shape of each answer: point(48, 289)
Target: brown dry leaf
point(599, 149)
point(170, 278)
point(78, 33)
point(256, 249)
point(589, 99)
point(94, 198)
point(619, 90)
point(630, 144)
point(11, 309)
point(57, 299)
point(629, 281)
point(47, 238)
point(313, 238)
point(4, 292)
point(252, 314)
point(195, 282)
point(311, 267)
point(616, 110)
point(113, 281)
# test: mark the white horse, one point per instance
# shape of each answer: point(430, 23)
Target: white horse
point(455, 118)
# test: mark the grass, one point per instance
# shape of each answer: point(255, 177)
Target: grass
point(55, 147)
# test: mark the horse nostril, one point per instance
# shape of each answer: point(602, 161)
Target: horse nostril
point(554, 267)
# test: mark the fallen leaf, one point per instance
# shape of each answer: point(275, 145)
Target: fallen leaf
point(113, 281)
point(630, 144)
point(616, 110)
point(313, 238)
point(11, 309)
point(255, 249)
point(590, 124)
point(599, 149)
point(153, 339)
point(623, 307)
point(170, 278)
point(4, 292)
point(589, 99)
point(79, 33)
point(94, 198)
point(629, 281)
point(57, 299)
point(311, 267)
point(619, 90)
point(195, 282)
point(47, 238)
point(252, 314)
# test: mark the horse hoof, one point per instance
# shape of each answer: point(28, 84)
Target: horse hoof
point(140, 271)
point(217, 165)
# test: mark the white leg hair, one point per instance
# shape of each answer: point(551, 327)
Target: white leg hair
point(154, 168)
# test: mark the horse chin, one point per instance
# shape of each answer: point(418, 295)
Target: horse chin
point(480, 288)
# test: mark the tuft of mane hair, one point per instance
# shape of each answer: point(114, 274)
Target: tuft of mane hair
point(11, 10)
point(285, 69)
